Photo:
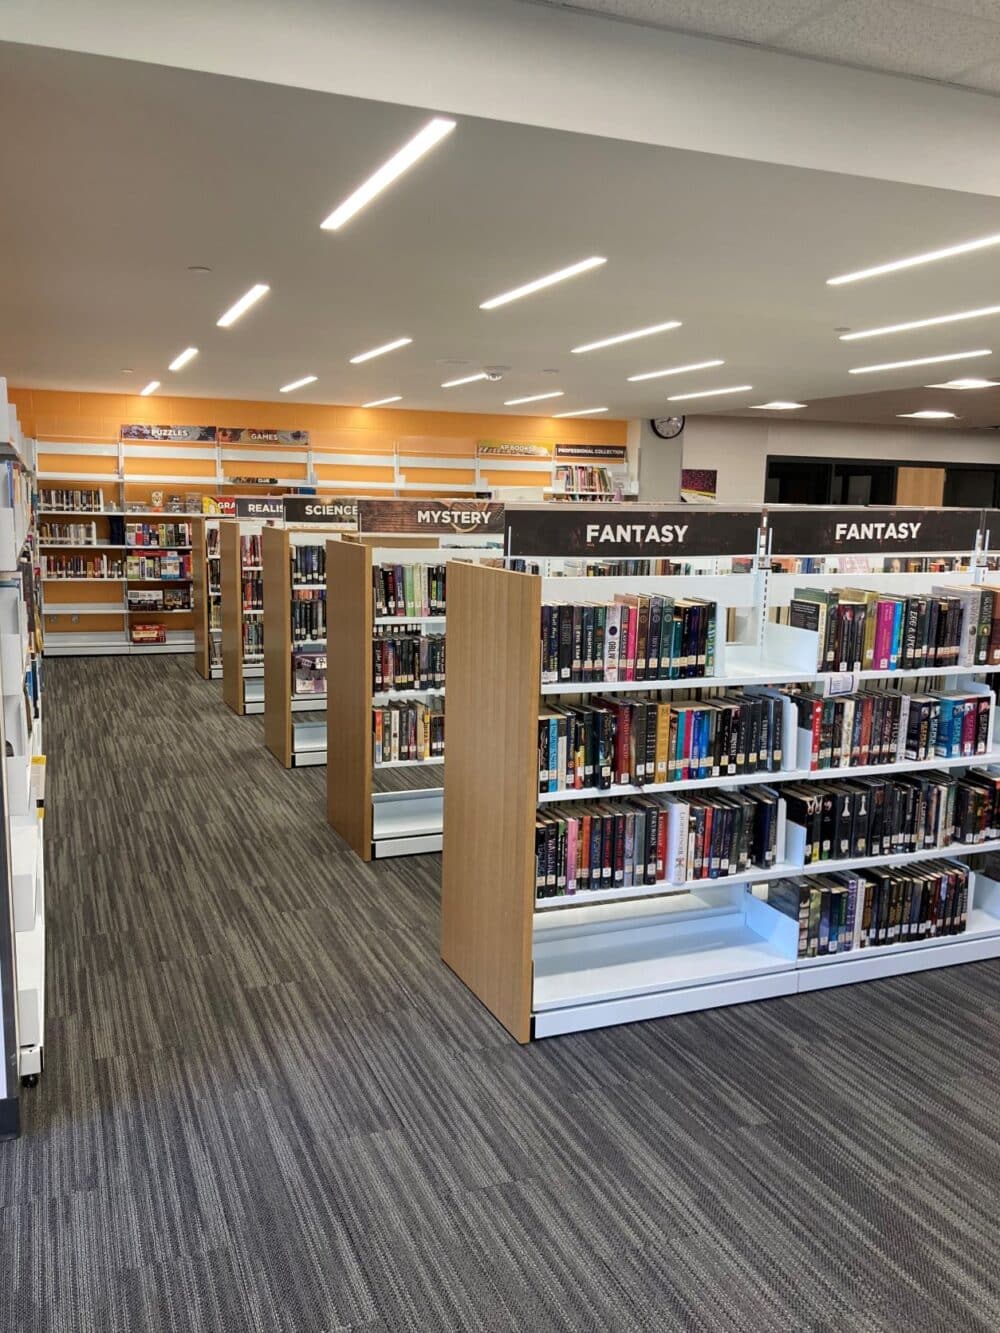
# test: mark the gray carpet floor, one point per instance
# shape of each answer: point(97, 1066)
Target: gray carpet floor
point(269, 1107)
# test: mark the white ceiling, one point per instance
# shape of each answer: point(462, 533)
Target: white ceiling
point(953, 41)
point(125, 174)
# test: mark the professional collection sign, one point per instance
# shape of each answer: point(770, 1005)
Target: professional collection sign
point(170, 434)
point(264, 507)
point(871, 531)
point(611, 530)
point(608, 453)
point(260, 435)
point(455, 516)
point(312, 509)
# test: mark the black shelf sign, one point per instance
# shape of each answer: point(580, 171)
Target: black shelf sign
point(264, 507)
point(597, 531)
point(410, 516)
point(871, 531)
point(312, 509)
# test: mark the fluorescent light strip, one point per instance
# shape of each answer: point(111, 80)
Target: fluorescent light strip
point(539, 283)
point(380, 351)
point(930, 257)
point(968, 382)
point(298, 384)
point(776, 406)
point(919, 361)
point(534, 398)
point(929, 414)
point(581, 412)
point(674, 370)
point(381, 402)
point(466, 379)
point(628, 337)
point(710, 393)
point(422, 142)
point(921, 323)
point(151, 387)
point(248, 299)
point(182, 358)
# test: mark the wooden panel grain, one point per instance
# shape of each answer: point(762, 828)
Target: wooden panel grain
point(231, 586)
point(277, 645)
point(920, 486)
point(349, 619)
point(490, 786)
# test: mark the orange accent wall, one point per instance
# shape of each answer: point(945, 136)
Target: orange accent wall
point(53, 414)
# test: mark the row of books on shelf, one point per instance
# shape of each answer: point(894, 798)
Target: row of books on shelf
point(215, 615)
point(849, 911)
point(67, 534)
point(82, 567)
point(213, 549)
point(86, 499)
point(862, 629)
point(308, 615)
point(625, 567)
point(158, 534)
point(636, 740)
point(167, 565)
point(675, 840)
point(408, 591)
point(868, 564)
point(308, 564)
point(632, 637)
point(159, 599)
point(250, 550)
point(148, 633)
point(309, 673)
point(583, 478)
point(253, 638)
point(253, 592)
point(410, 730)
point(413, 661)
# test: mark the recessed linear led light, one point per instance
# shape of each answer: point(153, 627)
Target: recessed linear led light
point(970, 382)
point(922, 323)
point(248, 299)
point(930, 257)
point(628, 337)
point(776, 406)
point(674, 370)
point(539, 283)
point(919, 361)
point(380, 351)
point(466, 379)
point(534, 398)
point(151, 387)
point(422, 142)
point(929, 414)
point(381, 402)
point(182, 358)
point(581, 412)
point(298, 384)
point(710, 393)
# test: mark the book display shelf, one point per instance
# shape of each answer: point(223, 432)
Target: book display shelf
point(207, 595)
point(295, 641)
point(384, 664)
point(22, 922)
point(749, 821)
point(241, 580)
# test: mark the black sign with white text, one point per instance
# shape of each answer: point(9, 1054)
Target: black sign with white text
point(264, 507)
point(619, 530)
point(314, 509)
point(455, 516)
point(871, 530)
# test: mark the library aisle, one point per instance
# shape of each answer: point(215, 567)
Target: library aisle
point(269, 1106)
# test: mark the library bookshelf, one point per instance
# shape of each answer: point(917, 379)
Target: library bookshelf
point(546, 965)
point(22, 920)
point(241, 576)
point(295, 642)
point(207, 596)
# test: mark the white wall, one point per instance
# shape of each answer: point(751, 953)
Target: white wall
point(659, 463)
point(507, 60)
point(738, 448)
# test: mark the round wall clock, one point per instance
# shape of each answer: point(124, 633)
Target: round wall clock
point(668, 428)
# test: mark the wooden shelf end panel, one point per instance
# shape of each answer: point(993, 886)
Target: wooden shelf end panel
point(231, 587)
point(277, 645)
point(349, 619)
